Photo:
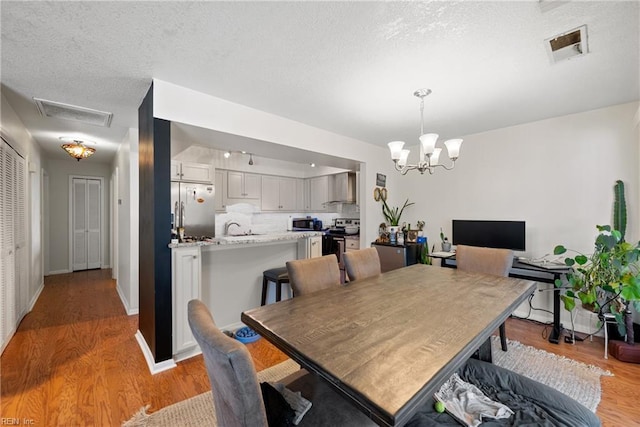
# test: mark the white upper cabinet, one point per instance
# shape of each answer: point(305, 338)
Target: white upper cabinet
point(220, 184)
point(318, 193)
point(193, 172)
point(278, 193)
point(241, 185)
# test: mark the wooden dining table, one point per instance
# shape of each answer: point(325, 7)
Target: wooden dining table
point(389, 342)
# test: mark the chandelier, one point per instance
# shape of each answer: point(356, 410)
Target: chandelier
point(429, 154)
point(76, 149)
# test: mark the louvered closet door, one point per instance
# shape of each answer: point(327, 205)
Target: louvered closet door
point(86, 223)
point(8, 254)
point(20, 233)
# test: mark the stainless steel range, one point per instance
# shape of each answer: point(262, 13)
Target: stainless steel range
point(334, 241)
point(344, 226)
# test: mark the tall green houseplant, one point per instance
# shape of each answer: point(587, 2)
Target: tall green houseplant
point(609, 278)
point(393, 215)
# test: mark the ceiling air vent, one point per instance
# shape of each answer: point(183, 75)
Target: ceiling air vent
point(59, 110)
point(547, 5)
point(568, 45)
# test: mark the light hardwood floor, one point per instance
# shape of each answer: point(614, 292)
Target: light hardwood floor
point(75, 361)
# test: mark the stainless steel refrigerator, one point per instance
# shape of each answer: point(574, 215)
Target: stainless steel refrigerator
point(193, 207)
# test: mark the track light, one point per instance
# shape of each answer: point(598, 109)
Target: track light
point(227, 154)
point(250, 159)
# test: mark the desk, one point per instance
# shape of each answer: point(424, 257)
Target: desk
point(387, 343)
point(530, 272)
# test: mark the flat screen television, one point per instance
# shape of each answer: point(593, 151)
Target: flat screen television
point(490, 234)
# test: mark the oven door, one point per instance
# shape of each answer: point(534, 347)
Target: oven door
point(332, 244)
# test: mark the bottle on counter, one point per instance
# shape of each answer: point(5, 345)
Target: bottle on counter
point(290, 223)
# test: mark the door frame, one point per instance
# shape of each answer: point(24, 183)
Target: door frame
point(102, 218)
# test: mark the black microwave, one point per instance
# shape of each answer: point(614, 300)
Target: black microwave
point(306, 224)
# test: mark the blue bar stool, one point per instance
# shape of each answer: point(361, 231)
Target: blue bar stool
point(279, 276)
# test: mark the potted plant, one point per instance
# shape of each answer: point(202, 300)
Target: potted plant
point(393, 215)
point(608, 279)
point(446, 246)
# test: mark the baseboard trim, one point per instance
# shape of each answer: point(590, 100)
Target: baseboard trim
point(35, 297)
point(187, 354)
point(52, 273)
point(582, 322)
point(233, 326)
point(154, 367)
point(130, 311)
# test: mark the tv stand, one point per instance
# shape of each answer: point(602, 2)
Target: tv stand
point(539, 274)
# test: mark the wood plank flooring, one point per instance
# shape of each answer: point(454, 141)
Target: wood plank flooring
point(75, 361)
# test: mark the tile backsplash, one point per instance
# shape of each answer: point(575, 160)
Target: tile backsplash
point(251, 220)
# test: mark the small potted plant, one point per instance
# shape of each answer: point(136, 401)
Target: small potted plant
point(446, 246)
point(393, 215)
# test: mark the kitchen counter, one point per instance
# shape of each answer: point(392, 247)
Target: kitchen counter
point(250, 239)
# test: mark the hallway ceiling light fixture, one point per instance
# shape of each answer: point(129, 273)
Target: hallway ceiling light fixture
point(429, 154)
point(76, 148)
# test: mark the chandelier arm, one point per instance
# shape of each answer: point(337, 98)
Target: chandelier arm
point(444, 166)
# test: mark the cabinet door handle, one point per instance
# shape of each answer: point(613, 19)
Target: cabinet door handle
point(195, 256)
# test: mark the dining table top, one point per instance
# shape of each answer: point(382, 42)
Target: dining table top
point(389, 342)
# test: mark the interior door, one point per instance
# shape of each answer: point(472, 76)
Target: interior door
point(86, 194)
point(7, 255)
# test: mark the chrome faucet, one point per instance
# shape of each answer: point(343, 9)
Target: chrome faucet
point(229, 224)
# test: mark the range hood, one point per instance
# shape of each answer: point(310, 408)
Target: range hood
point(342, 188)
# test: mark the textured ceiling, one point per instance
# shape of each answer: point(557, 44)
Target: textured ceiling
point(348, 67)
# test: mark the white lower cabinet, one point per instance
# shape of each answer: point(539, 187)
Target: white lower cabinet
point(186, 263)
point(311, 247)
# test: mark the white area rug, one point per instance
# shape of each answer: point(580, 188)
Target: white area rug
point(577, 380)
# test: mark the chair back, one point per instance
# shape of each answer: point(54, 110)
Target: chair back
point(493, 261)
point(362, 263)
point(313, 274)
point(234, 383)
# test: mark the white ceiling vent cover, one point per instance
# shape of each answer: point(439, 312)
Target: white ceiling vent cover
point(59, 110)
point(568, 45)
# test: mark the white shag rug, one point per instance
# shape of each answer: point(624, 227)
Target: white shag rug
point(577, 380)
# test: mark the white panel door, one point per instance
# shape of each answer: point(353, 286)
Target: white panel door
point(93, 223)
point(86, 236)
point(79, 223)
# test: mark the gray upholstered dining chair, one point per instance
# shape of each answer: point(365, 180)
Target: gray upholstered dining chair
point(237, 396)
point(497, 262)
point(313, 274)
point(362, 263)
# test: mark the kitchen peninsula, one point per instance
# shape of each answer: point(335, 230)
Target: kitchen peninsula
point(226, 274)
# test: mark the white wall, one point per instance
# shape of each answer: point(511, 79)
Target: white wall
point(556, 174)
point(59, 172)
point(126, 161)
